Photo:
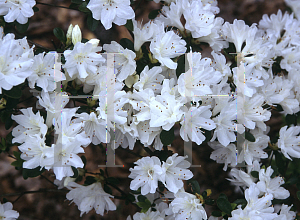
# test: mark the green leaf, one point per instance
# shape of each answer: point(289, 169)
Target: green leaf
point(204, 194)
point(291, 119)
point(76, 1)
point(92, 23)
point(216, 213)
point(32, 172)
point(18, 163)
point(59, 33)
point(255, 174)
point(141, 198)
point(209, 201)
point(129, 25)
point(242, 202)
point(14, 93)
point(144, 205)
point(180, 66)
point(249, 136)
point(167, 137)
point(298, 195)
point(83, 160)
point(153, 14)
point(195, 185)
point(280, 163)
point(233, 206)
point(75, 171)
point(126, 43)
point(222, 195)
point(89, 180)
point(35, 9)
point(8, 122)
point(83, 7)
point(136, 191)
point(107, 189)
point(130, 198)
point(224, 205)
point(22, 27)
point(113, 180)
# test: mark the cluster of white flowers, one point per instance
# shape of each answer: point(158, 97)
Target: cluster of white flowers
point(200, 99)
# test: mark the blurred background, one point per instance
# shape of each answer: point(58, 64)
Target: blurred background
point(53, 205)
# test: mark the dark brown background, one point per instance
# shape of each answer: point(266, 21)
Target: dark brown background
point(54, 205)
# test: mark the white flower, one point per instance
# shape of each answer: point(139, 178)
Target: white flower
point(199, 19)
point(250, 151)
point(89, 197)
point(165, 46)
point(124, 60)
point(44, 75)
point(289, 141)
point(76, 35)
point(251, 113)
point(65, 156)
point(94, 128)
point(7, 213)
point(165, 111)
point(285, 213)
point(194, 119)
point(272, 186)
point(36, 153)
point(82, 60)
point(186, 206)
point(53, 103)
point(19, 10)
point(15, 62)
point(146, 174)
point(221, 154)
point(145, 33)
point(151, 79)
point(29, 124)
point(149, 215)
point(111, 11)
point(175, 171)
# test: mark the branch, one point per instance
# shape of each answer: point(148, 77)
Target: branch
point(38, 45)
point(57, 6)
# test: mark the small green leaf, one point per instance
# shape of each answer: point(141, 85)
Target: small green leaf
point(89, 180)
point(242, 202)
point(249, 136)
point(129, 25)
point(126, 43)
point(180, 66)
point(233, 206)
point(32, 172)
point(113, 180)
point(209, 201)
point(83, 7)
point(204, 194)
point(107, 189)
point(195, 185)
point(167, 137)
point(144, 205)
point(222, 195)
point(130, 198)
point(35, 9)
point(83, 160)
point(141, 198)
point(291, 119)
point(75, 171)
point(22, 27)
point(14, 93)
point(153, 14)
point(216, 213)
point(136, 191)
point(298, 195)
point(92, 23)
point(255, 174)
point(224, 205)
point(76, 1)
point(59, 33)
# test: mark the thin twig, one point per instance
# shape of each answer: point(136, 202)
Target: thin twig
point(48, 180)
point(38, 45)
point(57, 6)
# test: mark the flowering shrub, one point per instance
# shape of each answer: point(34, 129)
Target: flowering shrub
point(138, 92)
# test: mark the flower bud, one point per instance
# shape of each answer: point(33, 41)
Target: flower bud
point(130, 80)
point(76, 35)
point(69, 35)
point(94, 42)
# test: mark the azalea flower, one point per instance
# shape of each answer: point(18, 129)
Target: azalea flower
point(17, 10)
point(89, 197)
point(116, 11)
point(289, 140)
point(146, 174)
point(165, 46)
point(7, 213)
